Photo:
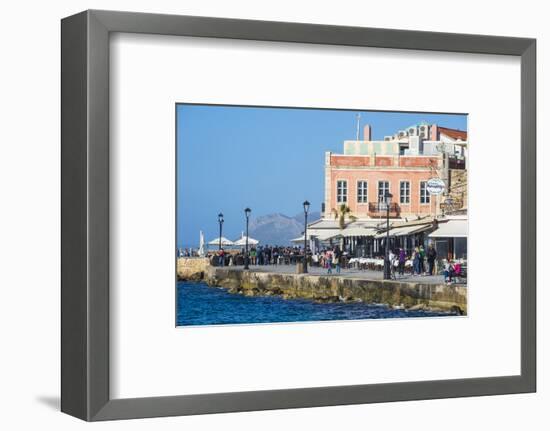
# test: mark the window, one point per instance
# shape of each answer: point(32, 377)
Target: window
point(424, 195)
point(341, 192)
point(362, 195)
point(383, 187)
point(405, 192)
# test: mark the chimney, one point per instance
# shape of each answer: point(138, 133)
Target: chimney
point(367, 133)
point(433, 132)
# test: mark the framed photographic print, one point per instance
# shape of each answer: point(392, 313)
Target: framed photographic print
point(263, 215)
point(404, 185)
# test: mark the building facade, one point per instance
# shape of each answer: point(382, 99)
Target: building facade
point(401, 164)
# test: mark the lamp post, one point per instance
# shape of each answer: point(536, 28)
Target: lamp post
point(220, 222)
point(247, 212)
point(387, 268)
point(306, 210)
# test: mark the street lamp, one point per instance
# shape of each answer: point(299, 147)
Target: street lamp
point(247, 212)
point(387, 264)
point(220, 222)
point(306, 210)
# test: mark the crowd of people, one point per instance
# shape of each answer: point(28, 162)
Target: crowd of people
point(261, 255)
point(423, 261)
point(328, 258)
point(274, 255)
point(420, 261)
point(187, 252)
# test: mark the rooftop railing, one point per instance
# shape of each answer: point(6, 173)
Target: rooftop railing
point(378, 209)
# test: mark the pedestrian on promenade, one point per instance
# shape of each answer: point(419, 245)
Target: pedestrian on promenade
point(267, 257)
point(432, 255)
point(222, 257)
point(337, 258)
point(393, 260)
point(457, 269)
point(448, 271)
point(422, 252)
point(402, 259)
point(253, 255)
point(329, 262)
point(416, 261)
point(260, 254)
point(322, 259)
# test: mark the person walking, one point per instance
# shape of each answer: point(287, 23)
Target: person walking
point(432, 255)
point(337, 260)
point(457, 269)
point(448, 271)
point(422, 252)
point(392, 258)
point(402, 259)
point(416, 261)
point(267, 255)
point(329, 262)
point(275, 255)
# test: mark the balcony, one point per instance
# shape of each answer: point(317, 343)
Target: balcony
point(457, 163)
point(377, 209)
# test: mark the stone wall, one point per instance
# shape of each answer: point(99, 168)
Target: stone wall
point(340, 289)
point(192, 268)
point(458, 179)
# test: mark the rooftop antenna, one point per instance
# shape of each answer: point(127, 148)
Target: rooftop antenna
point(358, 117)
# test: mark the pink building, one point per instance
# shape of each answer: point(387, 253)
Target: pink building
point(401, 164)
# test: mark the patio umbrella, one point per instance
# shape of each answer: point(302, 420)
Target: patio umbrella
point(242, 241)
point(225, 241)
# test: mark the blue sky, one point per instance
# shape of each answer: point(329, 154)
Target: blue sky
point(268, 159)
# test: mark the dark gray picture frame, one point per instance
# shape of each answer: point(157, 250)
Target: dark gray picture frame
point(85, 214)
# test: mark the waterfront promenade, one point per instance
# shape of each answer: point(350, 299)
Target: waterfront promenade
point(352, 273)
point(420, 293)
point(351, 285)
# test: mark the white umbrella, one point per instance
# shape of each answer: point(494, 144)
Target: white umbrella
point(216, 241)
point(242, 241)
point(201, 244)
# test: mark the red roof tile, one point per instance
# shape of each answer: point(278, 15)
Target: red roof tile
point(454, 133)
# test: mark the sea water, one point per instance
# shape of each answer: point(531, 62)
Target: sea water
point(200, 304)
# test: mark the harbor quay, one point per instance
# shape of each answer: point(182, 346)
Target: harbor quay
point(414, 293)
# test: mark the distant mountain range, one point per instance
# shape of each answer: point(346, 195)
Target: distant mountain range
point(279, 229)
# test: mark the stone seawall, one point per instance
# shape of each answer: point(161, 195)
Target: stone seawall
point(340, 289)
point(192, 268)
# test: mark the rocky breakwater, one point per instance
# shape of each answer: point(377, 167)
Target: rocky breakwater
point(410, 295)
point(192, 268)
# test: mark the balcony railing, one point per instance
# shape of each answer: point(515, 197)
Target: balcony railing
point(456, 163)
point(377, 209)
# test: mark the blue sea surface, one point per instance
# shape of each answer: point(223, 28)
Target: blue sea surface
point(200, 304)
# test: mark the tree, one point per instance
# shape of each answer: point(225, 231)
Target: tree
point(342, 213)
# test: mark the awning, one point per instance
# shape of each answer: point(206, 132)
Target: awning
point(300, 238)
point(325, 236)
point(451, 229)
point(405, 230)
point(409, 230)
point(358, 231)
